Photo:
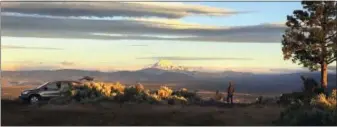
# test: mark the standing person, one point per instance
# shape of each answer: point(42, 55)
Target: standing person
point(230, 92)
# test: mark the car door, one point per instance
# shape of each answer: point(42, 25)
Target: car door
point(51, 90)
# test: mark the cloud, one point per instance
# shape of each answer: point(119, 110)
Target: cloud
point(25, 47)
point(287, 70)
point(35, 65)
point(332, 68)
point(27, 65)
point(65, 63)
point(23, 62)
point(193, 58)
point(41, 67)
point(113, 9)
point(139, 45)
point(135, 29)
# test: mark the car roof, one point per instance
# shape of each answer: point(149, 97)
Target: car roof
point(66, 81)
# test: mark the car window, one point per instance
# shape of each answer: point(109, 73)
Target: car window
point(52, 86)
point(42, 85)
point(75, 84)
point(65, 85)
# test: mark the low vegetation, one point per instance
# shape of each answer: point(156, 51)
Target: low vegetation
point(100, 107)
point(91, 92)
point(321, 110)
point(302, 108)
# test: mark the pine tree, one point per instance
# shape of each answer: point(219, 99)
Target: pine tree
point(311, 37)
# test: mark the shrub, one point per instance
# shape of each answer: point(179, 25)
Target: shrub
point(177, 100)
point(133, 94)
point(320, 111)
point(191, 97)
point(164, 92)
point(325, 102)
point(319, 90)
point(183, 90)
point(117, 87)
point(185, 93)
point(287, 99)
point(139, 87)
point(153, 99)
point(301, 116)
point(90, 92)
point(94, 91)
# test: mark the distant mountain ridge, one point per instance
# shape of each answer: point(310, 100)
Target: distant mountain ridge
point(164, 72)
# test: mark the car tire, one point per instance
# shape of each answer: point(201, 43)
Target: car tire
point(34, 99)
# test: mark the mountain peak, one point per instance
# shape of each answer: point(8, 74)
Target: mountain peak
point(163, 64)
point(168, 66)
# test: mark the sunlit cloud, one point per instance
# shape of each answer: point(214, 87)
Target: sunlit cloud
point(27, 47)
point(65, 63)
point(142, 36)
point(100, 26)
point(112, 9)
point(139, 45)
point(287, 70)
point(193, 58)
point(154, 22)
point(137, 29)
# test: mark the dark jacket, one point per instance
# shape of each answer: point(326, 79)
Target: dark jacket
point(230, 90)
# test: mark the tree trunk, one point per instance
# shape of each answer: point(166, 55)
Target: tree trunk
point(324, 75)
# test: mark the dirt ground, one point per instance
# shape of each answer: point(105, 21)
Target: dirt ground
point(15, 113)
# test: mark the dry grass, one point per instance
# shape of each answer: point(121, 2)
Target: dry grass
point(134, 114)
point(12, 92)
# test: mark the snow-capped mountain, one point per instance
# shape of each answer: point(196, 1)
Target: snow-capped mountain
point(166, 66)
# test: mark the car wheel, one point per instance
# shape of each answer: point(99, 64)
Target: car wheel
point(34, 99)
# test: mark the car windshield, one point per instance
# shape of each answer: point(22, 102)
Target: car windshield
point(42, 85)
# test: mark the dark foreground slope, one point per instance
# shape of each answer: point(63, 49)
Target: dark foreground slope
point(15, 113)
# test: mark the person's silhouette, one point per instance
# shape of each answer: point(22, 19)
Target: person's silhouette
point(230, 92)
point(58, 84)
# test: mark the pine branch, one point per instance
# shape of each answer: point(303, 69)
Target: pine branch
point(331, 60)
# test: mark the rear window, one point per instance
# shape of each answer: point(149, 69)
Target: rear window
point(75, 83)
point(65, 85)
point(52, 86)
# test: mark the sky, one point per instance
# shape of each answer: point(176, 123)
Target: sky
point(106, 36)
